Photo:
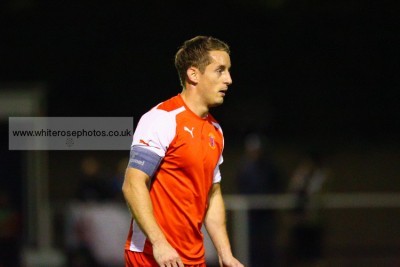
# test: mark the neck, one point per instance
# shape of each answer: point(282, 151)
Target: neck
point(193, 101)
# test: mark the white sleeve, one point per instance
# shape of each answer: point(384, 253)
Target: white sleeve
point(155, 131)
point(217, 173)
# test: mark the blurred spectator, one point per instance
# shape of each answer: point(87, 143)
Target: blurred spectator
point(96, 224)
point(258, 174)
point(9, 231)
point(91, 189)
point(117, 180)
point(92, 185)
point(95, 234)
point(306, 233)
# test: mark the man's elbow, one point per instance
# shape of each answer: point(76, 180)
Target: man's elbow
point(126, 187)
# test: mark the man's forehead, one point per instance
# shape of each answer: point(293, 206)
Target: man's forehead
point(220, 57)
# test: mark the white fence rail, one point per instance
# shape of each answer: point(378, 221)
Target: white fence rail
point(239, 205)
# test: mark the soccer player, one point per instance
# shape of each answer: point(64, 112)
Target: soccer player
point(172, 182)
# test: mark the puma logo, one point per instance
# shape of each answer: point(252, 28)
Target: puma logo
point(189, 131)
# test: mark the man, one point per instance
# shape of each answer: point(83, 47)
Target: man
point(172, 183)
point(258, 174)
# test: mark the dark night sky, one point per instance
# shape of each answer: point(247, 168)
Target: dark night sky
point(300, 68)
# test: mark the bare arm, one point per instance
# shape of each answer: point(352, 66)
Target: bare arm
point(138, 199)
point(215, 223)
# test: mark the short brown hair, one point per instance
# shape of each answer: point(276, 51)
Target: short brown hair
point(195, 52)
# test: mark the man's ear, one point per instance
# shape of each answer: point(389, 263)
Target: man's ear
point(193, 74)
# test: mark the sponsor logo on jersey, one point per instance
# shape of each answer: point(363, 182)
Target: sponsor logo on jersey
point(189, 131)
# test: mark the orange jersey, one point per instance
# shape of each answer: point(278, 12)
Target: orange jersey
point(191, 148)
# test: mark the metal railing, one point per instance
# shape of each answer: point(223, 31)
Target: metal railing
point(239, 205)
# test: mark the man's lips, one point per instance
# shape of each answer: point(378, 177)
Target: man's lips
point(223, 92)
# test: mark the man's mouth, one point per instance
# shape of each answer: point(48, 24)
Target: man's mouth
point(223, 92)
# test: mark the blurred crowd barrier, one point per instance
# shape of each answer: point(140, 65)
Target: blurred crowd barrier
point(354, 231)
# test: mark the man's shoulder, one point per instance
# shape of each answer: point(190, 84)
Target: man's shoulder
point(164, 112)
point(171, 104)
point(214, 122)
point(212, 119)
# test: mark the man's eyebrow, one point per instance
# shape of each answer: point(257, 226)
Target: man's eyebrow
point(222, 66)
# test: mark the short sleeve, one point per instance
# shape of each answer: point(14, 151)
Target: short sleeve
point(217, 173)
point(155, 131)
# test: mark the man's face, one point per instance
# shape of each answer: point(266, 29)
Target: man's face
point(213, 83)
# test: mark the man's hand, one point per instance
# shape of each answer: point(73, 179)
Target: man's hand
point(165, 255)
point(229, 262)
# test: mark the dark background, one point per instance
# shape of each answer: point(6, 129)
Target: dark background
point(300, 68)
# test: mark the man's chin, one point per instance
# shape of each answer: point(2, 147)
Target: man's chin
point(218, 103)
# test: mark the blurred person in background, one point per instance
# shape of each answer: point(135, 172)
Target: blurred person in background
point(306, 231)
point(259, 175)
point(117, 180)
point(172, 183)
point(10, 231)
point(92, 185)
point(91, 189)
point(96, 224)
